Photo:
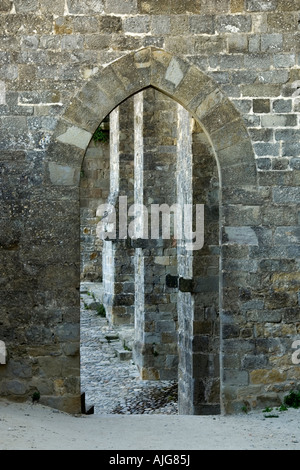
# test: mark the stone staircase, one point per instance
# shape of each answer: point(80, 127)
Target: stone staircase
point(122, 336)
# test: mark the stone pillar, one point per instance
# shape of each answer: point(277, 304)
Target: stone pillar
point(118, 263)
point(139, 304)
point(156, 346)
point(198, 272)
point(185, 304)
point(108, 254)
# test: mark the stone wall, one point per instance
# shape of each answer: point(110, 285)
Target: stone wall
point(64, 66)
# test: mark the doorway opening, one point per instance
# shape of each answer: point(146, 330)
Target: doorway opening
point(150, 340)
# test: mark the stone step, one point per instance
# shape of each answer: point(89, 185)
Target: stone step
point(126, 335)
point(112, 337)
point(123, 354)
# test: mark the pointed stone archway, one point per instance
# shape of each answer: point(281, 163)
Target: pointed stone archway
point(225, 130)
point(175, 77)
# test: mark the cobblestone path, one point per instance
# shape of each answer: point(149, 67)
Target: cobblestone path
point(110, 382)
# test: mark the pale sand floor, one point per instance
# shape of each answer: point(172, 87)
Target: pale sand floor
point(36, 427)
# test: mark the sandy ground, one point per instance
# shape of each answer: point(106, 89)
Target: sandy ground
point(30, 426)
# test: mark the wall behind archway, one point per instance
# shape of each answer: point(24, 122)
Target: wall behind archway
point(45, 341)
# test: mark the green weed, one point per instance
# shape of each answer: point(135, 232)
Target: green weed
point(292, 399)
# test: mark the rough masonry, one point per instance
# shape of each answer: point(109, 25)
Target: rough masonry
point(207, 92)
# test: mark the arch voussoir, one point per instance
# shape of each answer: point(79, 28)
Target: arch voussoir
point(182, 81)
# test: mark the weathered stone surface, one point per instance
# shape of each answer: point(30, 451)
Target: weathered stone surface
point(75, 136)
point(240, 236)
point(64, 66)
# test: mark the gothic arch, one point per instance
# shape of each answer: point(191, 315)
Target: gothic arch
point(195, 91)
point(175, 77)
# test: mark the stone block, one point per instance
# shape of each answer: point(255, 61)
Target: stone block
point(233, 24)
point(96, 98)
point(286, 195)
point(291, 149)
point(162, 260)
point(287, 135)
point(227, 62)
point(120, 8)
point(261, 105)
point(215, 6)
point(215, 112)
point(73, 135)
point(57, 7)
point(238, 43)
point(238, 153)
point(193, 80)
point(82, 116)
point(267, 149)
point(267, 376)
point(271, 42)
point(202, 24)
point(186, 285)
point(26, 6)
point(69, 403)
point(261, 5)
point(231, 134)
point(237, 6)
point(166, 326)
point(284, 60)
point(236, 173)
point(110, 23)
point(287, 235)
point(174, 72)
point(15, 388)
point(235, 377)
point(242, 216)
point(167, 72)
point(85, 24)
point(72, 42)
point(123, 354)
point(161, 24)
point(133, 71)
point(136, 25)
point(282, 106)
point(279, 120)
point(260, 89)
point(285, 22)
point(268, 400)
point(79, 7)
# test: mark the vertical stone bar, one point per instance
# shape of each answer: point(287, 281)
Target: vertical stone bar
point(108, 245)
point(139, 317)
point(114, 150)
point(185, 303)
point(138, 148)
point(139, 304)
point(123, 309)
